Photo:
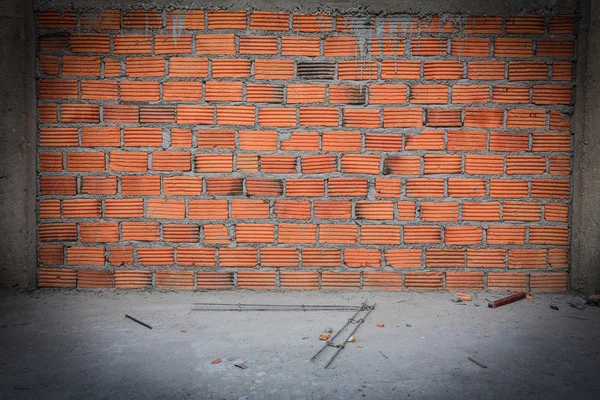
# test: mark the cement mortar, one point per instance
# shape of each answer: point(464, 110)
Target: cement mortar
point(477, 7)
point(78, 344)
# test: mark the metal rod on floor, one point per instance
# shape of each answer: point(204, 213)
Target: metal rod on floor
point(276, 305)
point(358, 324)
point(352, 319)
point(274, 309)
point(138, 321)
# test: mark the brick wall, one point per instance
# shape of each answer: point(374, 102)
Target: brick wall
point(215, 149)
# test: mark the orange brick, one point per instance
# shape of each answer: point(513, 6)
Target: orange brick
point(500, 141)
point(362, 258)
point(424, 280)
point(278, 117)
point(421, 187)
point(133, 279)
point(402, 165)
point(264, 187)
point(257, 280)
point(464, 280)
point(216, 234)
point(510, 94)
point(526, 259)
point(215, 43)
point(486, 258)
point(403, 258)
point(360, 164)
point(429, 46)
point(273, 69)
point(345, 94)
point(340, 280)
point(297, 234)
point(100, 43)
point(485, 70)
point(463, 235)
point(321, 257)
point(100, 136)
point(98, 185)
point(124, 208)
point(51, 162)
point(513, 47)
point(269, 21)
point(556, 212)
point(552, 94)
point(551, 47)
point(181, 233)
point(400, 69)
point(463, 94)
point(429, 94)
point(422, 234)
point(165, 209)
point(238, 257)
point(505, 234)
point(185, 19)
point(466, 187)
point(549, 235)
point(438, 212)
point(526, 24)
point(402, 117)
point(555, 282)
point(484, 164)
point(352, 187)
point(380, 234)
point(171, 161)
point(527, 71)
point(168, 279)
point(312, 23)
point(374, 210)
point(195, 257)
point(222, 19)
point(467, 140)
point(484, 117)
point(445, 258)
point(436, 70)
point(338, 234)
point(503, 281)
point(279, 257)
point(57, 278)
point(140, 91)
point(140, 231)
point(388, 46)
point(155, 256)
point(341, 46)
point(82, 208)
point(319, 116)
point(254, 233)
point(91, 232)
point(258, 45)
point(357, 70)
point(300, 46)
point(235, 115)
point(259, 93)
point(470, 47)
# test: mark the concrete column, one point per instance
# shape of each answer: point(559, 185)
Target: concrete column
point(18, 243)
point(585, 240)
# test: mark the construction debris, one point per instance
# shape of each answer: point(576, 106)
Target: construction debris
point(241, 366)
point(353, 320)
point(578, 302)
point(138, 321)
point(463, 296)
point(324, 336)
point(477, 362)
point(351, 339)
point(554, 307)
point(456, 299)
point(216, 361)
point(506, 300)
point(380, 325)
point(386, 357)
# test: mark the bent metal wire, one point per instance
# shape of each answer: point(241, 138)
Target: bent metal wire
point(352, 320)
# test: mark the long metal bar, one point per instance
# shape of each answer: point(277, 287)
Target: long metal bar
point(350, 320)
point(273, 309)
point(276, 305)
point(358, 324)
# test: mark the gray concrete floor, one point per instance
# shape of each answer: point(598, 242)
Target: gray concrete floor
point(78, 344)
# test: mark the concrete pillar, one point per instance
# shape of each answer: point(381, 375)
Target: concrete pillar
point(585, 240)
point(18, 243)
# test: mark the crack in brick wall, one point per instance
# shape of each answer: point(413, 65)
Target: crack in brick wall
point(204, 149)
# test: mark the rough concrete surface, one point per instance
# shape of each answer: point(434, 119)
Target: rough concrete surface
point(381, 6)
point(585, 274)
point(18, 251)
point(71, 344)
